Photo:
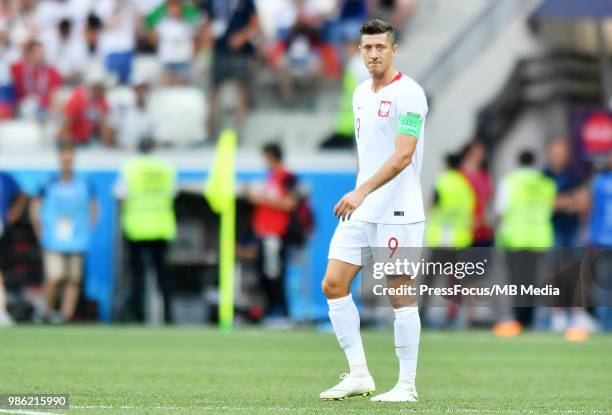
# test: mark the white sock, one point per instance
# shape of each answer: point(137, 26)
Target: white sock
point(345, 319)
point(407, 327)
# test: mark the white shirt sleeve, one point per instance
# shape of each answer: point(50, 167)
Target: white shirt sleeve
point(502, 198)
point(413, 101)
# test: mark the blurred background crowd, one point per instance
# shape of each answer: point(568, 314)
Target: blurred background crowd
point(128, 97)
point(85, 70)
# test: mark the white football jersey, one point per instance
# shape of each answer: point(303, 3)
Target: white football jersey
point(377, 121)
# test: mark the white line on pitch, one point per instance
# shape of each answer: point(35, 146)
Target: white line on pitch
point(344, 410)
point(23, 412)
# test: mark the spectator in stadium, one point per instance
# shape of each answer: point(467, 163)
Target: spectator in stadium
point(34, 81)
point(524, 203)
point(396, 11)
point(12, 204)
point(10, 52)
point(173, 27)
point(23, 21)
point(474, 168)
point(147, 186)
point(350, 16)
point(63, 215)
point(8, 55)
point(273, 206)
point(231, 26)
point(67, 52)
point(86, 111)
point(304, 56)
point(118, 36)
point(134, 123)
point(48, 14)
point(188, 10)
point(92, 33)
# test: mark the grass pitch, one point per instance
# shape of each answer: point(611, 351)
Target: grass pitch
point(136, 370)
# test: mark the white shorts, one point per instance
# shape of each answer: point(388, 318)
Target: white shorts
point(354, 240)
point(60, 266)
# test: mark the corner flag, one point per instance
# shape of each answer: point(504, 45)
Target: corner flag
point(221, 196)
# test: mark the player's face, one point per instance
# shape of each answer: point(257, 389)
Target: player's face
point(377, 52)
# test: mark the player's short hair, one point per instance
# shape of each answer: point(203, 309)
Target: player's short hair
point(527, 158)
point(273, 149)
point(377, 27)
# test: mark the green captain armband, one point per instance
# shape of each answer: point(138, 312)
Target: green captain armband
point(410, 124)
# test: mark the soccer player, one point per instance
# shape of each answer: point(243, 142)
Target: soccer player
point(386, 205)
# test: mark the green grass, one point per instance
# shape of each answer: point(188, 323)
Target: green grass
point(112, 370)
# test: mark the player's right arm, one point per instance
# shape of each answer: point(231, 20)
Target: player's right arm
point(405, 145)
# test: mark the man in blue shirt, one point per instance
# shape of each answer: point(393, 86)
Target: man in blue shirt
point(565, 219)
point(566, 225)
point(12, 204)
point(63, 216)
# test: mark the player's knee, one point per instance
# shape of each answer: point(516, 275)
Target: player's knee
point(332, 288)
point(327, 287)
point(399, 301)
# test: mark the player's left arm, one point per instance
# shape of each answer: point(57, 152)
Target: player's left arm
point(405, 146)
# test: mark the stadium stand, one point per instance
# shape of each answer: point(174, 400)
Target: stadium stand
point(18, 136)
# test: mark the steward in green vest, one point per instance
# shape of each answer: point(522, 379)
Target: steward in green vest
point(526, 205)
point(147, 186)
point(148, 207)
point(450, 220)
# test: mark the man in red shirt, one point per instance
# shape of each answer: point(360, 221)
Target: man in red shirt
point(34, 81)
point(473, 166)
point(273, 208)
point(86, 111)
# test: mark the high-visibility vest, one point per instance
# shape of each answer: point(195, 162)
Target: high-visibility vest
point(148, 207)
point(527, 221)
point(450, 221)
point(346, 122)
